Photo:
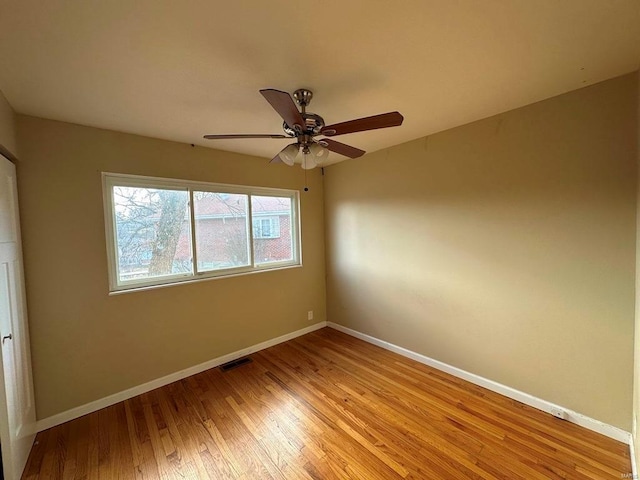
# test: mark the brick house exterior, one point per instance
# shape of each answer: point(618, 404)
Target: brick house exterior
point(220, 228)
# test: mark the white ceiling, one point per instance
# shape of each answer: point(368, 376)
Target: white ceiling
point(179, 69)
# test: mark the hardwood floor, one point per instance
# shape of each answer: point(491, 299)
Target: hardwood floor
point(324, 406)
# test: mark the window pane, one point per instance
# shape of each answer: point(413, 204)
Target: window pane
point(222, 230)
point(272, 234)
point(152, 232)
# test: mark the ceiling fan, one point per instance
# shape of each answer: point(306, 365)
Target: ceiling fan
point(304, 126)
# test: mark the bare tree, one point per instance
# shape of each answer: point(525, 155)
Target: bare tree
point(172, 211)
point(149, 222)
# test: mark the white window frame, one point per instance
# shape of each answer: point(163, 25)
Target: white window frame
point(110, 180)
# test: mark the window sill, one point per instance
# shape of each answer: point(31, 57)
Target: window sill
point(189, 280)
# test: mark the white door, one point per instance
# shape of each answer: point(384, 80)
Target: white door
point(17, 410)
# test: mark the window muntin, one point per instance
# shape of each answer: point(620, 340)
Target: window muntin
point(163, 231)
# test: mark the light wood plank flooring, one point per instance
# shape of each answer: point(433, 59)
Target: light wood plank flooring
point(324, 406)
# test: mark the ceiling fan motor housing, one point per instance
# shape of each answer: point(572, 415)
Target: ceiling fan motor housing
point(312, 125)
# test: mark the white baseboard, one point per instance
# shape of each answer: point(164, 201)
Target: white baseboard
point(574, 417)
point(90, 407)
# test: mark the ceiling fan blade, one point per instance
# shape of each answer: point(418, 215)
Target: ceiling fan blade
point(244, 135)
point(342, 149)
point(285, 106)
point(384, 120)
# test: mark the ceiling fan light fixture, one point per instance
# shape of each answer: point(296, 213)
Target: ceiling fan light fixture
point(318, 152)
point(289, 154)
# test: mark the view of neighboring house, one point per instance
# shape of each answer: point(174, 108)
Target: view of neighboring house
point(221, 228)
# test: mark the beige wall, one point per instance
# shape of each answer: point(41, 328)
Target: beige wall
point(86, 344)
point(505, 247)
point(7, 129)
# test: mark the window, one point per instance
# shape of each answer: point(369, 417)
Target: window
point(266, 227)
point(163, 231)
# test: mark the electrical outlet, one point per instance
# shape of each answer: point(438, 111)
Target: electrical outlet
point(310, 315)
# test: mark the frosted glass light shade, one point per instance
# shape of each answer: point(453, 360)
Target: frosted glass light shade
point(318, 152)
point(289, 154)
point(308, 161)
